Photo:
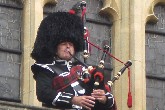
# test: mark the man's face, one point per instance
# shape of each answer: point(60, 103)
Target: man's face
point(63, 50)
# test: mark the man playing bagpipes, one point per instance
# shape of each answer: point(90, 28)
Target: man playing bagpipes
point(58, 77)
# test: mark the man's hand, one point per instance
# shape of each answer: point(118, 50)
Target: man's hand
point(86, 102)
point(99, 95)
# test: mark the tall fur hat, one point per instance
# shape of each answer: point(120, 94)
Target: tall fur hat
point(54, 29)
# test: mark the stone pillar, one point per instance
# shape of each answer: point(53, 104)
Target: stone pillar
point(137, 53)
point(32, 16)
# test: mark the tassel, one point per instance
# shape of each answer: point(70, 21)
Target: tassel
point(129, 101)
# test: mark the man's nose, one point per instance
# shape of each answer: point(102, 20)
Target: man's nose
point(68, 44)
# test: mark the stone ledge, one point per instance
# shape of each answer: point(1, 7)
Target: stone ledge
point(5, 105)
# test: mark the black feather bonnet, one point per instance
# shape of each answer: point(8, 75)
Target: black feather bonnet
point(54, 29)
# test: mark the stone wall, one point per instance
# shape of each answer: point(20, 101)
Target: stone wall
point(17, 106)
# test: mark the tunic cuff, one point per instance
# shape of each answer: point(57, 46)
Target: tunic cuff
point(63, 97)
point(110, 100)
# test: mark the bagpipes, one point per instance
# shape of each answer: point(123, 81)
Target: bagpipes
point(94, 75)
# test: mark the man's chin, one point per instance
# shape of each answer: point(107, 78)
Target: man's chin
point(68, 58)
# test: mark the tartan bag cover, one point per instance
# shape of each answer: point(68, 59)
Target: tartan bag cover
point(61, 82)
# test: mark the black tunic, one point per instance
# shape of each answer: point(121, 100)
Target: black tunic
point(46, 74)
